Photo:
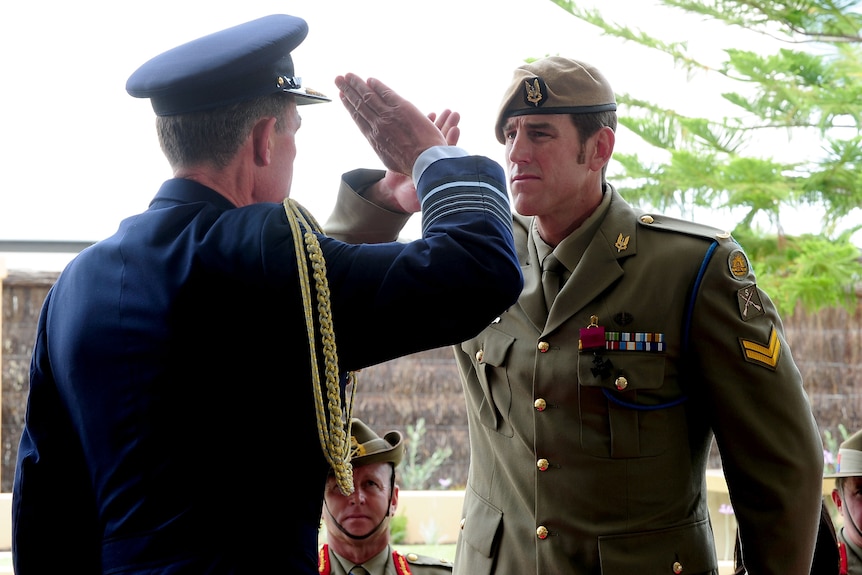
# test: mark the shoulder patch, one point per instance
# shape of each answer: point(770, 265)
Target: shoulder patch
point(665, 223)
point(749, 302)
point(738, 265)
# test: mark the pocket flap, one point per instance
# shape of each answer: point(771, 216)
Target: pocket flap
point(482, 522)
point(690, 548)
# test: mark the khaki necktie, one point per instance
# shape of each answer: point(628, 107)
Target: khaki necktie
point(359, 570)
point(552, 278)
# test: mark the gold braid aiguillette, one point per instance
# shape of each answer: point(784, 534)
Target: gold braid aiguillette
point(334, 430)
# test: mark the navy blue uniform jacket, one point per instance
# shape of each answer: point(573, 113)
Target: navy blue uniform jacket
point(171, 424)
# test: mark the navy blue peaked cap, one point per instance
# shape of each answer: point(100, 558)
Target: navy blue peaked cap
point(240, 63)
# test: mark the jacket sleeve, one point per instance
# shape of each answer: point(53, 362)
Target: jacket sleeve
point(770, 445)
point(359, 221)
point(439, 289)
point(53, 508)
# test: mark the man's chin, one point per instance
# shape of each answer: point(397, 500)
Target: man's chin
point(358, 526)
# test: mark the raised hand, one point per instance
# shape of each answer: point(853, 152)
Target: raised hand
point(396, 191)
point(394, 127)
point(447, 122)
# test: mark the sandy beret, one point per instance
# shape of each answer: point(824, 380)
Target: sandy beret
point(849, 463)
point(555, 85)
point(240, 63)
point(367, 447)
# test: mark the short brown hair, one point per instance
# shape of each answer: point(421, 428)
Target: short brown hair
point(213, 136)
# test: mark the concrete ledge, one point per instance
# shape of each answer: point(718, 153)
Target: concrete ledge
point(433, 517)
point(5, 522)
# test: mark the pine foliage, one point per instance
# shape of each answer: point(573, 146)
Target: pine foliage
point(808, 85)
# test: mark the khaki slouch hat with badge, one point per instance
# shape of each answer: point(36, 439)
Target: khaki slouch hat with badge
point(367, 447)
point(849, 462)
point(555, 85)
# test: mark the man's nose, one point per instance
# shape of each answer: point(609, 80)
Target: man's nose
point(518, 149)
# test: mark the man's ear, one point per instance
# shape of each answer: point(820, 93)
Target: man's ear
point(605, 140)
point(393, 502)
point(836, 498)
point(262, 140)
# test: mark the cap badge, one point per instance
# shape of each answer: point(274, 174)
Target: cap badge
point(534, 91)
point(289, 82)
point(356, 448)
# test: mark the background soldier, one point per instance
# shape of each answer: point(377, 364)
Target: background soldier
point(358, 525)
point(847, 496)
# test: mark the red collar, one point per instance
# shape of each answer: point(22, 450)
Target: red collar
point(324, 562)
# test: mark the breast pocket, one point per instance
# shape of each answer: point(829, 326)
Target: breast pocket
point(493, 394)
point(626, 405)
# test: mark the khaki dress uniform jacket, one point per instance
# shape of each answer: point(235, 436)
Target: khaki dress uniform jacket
point(396, 564)
point(851, 555)
point(589, 462)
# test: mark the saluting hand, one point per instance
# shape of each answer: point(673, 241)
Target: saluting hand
point(394, 127)
point(396, 191)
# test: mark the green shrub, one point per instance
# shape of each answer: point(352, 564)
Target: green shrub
point(415, 475)
point(398, 528)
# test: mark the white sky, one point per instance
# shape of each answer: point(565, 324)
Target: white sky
point(81, 154)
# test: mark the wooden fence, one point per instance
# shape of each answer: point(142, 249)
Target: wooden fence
point(827, 346)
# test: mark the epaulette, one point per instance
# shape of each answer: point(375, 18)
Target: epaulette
point(423, 560)
point(665, 223)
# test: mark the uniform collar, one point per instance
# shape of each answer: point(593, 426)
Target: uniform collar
point(376, 565)
point(188, 192)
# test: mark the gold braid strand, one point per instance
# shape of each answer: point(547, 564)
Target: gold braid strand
point(334, 436)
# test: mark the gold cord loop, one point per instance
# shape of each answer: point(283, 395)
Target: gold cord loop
point(333, 425)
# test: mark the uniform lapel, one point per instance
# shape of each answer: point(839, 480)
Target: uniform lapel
point(599, 267)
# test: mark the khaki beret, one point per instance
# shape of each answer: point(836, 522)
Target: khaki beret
point(367, 447)
point(849, 462)
point(555, 85)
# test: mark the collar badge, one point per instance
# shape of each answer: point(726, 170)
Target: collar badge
point(622, 243)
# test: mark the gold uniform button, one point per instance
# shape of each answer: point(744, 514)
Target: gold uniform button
point(479, 355)
point(647, 219)
point(544, 346)
point(463, 521)
point(621, 383)
point(677, 567)
point(412, 557)
point(540, 404)
point(542, 532)
point(542, 464)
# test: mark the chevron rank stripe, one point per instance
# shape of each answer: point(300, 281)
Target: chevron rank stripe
point(634, 341)
point(763, 355)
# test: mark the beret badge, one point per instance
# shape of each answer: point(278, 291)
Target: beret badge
point(534, 92)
